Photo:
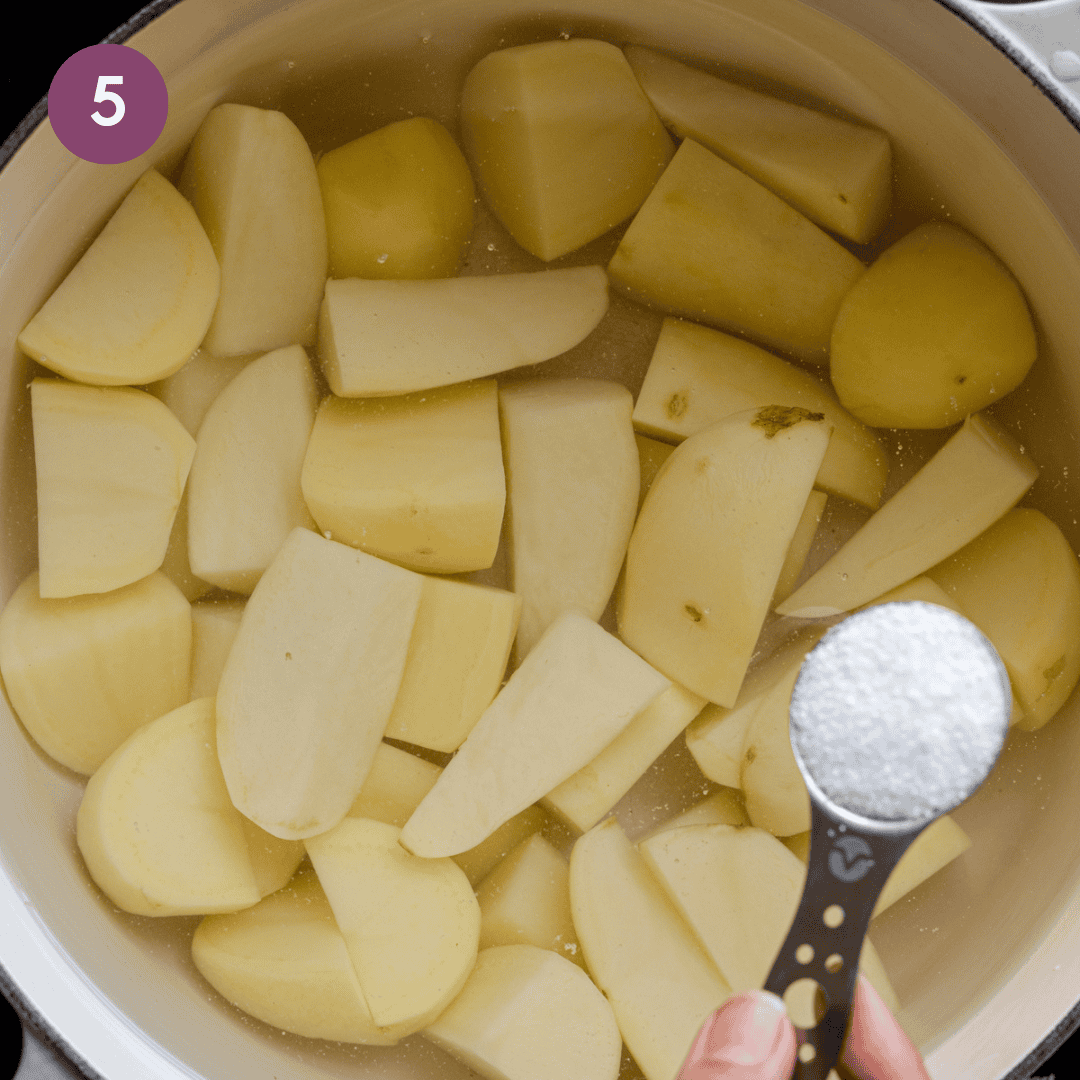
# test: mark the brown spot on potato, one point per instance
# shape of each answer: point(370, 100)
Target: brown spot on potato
point(775, 418)
point(693, 613)
point(677, 405)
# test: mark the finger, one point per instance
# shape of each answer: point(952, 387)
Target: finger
point(748, 1038)
point(877, 1047)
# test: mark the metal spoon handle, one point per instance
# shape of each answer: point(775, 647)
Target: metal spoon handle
point(847, 870)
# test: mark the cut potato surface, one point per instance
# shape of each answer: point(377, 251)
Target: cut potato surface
point(935, 330)
point(776, 795)
point(457, 658)
point(839, 174)
point(111, 467)
point(411, 925)
point(480, 860)
point(525, 900)
point(710, 541)
point(191, 391)
point(739, 890)
point(284, 961)
point(528, 1014)
point(799, 548)
point(158, 831)
point(573, 694)
point(394, 337)
point(712, 244)
point(83, 673)
point(659, 981)
point(716, 738)
point(214, 626)
point(572, 476)
point(395, 785)
point(251, 178)
point(975, 478)
point(398, 203)
point(563, 142)
point(698, 376)
point(416, 479)
point(1019, 583)
point(310, 682)
point(584, 798)
point(651, 456)
point(244, 493)
point(137, 304)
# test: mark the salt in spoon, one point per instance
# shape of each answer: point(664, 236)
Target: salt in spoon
point(898, 715)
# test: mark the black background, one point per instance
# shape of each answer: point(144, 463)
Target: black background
point(40, 37)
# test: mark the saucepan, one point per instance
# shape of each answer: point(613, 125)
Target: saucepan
point(985, 957)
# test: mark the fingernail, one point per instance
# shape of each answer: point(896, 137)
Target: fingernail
point(744, 1031)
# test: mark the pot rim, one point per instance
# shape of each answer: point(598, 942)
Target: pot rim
point(965, 10)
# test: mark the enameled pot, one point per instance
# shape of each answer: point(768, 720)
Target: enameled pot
point(986, 957)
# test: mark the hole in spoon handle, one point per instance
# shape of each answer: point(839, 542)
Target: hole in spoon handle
point(848, 868)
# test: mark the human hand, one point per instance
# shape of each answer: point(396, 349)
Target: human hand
point(751, 1038)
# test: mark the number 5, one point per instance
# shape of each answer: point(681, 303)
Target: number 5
point(103, 94)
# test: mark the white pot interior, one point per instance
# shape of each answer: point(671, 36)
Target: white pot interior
point(984, 957)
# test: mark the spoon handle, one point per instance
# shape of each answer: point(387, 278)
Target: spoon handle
point(847, 870)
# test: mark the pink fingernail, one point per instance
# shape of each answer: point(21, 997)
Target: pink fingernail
point(744, 1031)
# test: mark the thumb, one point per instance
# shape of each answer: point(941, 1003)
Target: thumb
point(748, 1038)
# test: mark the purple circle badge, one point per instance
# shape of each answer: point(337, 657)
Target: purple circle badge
point(108, 104)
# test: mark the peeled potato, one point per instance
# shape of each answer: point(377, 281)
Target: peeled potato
point(398, 202)
point(284, 961)
point(563, 142)
point(411, 925)
point(935, 330)
point(1019, 583)
point(416, 479)
point(251, 178)
point(159, 833)
point(527, 1014)
point(84, 672)
point(137, 304)
point(111, 467)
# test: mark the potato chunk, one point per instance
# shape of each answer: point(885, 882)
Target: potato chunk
point(159, 833)
point(111, 468)
point(284, 961)
point(975, 478)
point(415, 479)
point(1019, 583)
point(714, 245)
point(710, 541)
point(398, 202)
point(739, 890)
point(411, 925)
point(936, 329)
point(573, 694)
point(137, 304)
point(572, 477)
point(83, 673)
point(661, 984)
point(839, 174)
point(393, 337)
point(698, 376)
point(527, 1014)
point(584, 798)
point(526, 900)
point(244, 493)
point(310, 682)
point(251, 178)
point(457, 658)
point(563, 142)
